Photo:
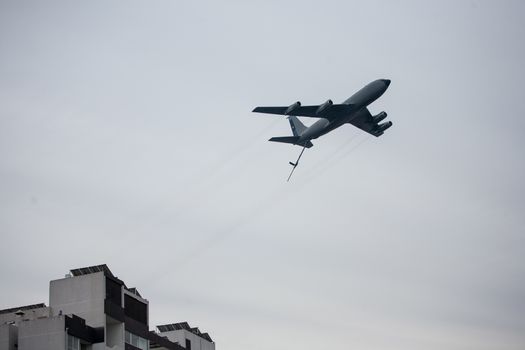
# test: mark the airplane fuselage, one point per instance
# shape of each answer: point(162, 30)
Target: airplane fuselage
point(359, 100)
point(330, 116)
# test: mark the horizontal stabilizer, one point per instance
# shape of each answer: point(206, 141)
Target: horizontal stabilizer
point(291, 139)
point(285, 139)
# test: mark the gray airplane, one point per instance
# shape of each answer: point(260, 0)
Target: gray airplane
point(331, 116)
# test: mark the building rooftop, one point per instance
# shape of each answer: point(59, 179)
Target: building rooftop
point(183, 325)
point(23, 308)
point(121, 305)
point(92, 269)
point(107, 272)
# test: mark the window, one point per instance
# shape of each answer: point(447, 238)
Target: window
point(135, 309)
point(73, 343)
point(188, 344)
point(136, 341)
point(143, 343)
point(113, 291)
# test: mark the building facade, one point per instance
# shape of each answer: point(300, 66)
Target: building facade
point(91, 309)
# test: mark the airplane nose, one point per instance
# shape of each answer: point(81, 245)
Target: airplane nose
point(386, 81)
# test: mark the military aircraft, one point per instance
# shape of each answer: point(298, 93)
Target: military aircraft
point(331, 116)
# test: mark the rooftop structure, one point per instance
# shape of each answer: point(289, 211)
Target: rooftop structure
point(183, 326)
point(91, 309)
point(22, 308)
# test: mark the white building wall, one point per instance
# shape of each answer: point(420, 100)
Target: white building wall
point(99, 346)
point(8, 337)
point(42, 334)
point(115, 336)
point(80, 295)
point(28, 315)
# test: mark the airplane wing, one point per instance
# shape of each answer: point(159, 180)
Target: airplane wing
point(364, 121)
point(333, 112)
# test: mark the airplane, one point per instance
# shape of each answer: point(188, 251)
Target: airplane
point(331, 116)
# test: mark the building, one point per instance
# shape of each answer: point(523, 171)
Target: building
point(91, 309)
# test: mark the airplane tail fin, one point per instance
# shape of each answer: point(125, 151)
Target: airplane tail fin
point(297, 126)
point(291, 139)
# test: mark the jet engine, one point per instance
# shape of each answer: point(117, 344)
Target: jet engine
point(383, 127)
point(292, 108)
point(324, 107)
point(377, 118)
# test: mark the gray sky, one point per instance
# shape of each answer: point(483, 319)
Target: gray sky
point(127, 138)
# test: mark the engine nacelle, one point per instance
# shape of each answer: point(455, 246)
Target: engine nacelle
point(324, 107)
point(382, 127)
point(292, 108)
point(377, 118)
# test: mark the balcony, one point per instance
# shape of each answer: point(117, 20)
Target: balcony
point(113, 310)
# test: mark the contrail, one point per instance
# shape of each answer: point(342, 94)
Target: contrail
point(335, 158)
point(260, 207)
point(195, 187)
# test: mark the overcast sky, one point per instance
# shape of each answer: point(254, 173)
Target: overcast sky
point(127, 138)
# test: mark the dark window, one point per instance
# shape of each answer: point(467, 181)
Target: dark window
point(135, 309)
point(113, 291)
point(188, 344)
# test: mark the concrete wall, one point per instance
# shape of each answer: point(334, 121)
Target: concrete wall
point(84, 296)
point(81, 295)
point(99, 346)
point(28, 315)
point(115, 335)
point(8, 337)
point(42, 334)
